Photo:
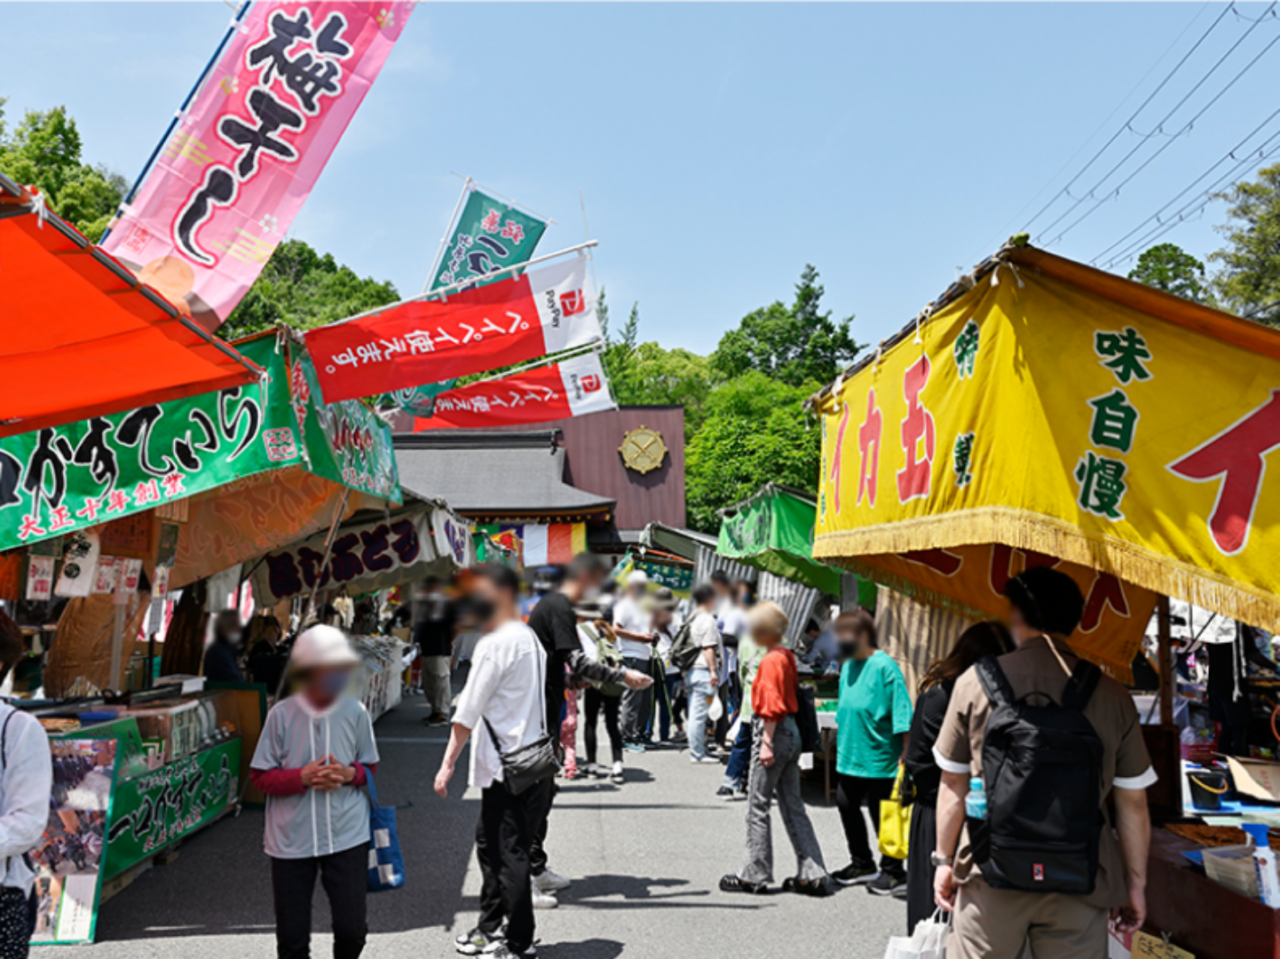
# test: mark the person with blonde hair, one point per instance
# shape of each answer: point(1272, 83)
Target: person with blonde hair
point(775, 768)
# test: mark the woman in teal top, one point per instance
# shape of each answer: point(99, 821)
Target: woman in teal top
point(874, 716)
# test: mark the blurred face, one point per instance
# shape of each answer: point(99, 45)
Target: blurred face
point(852, 641)
point(1018, 626)
point(661, 617)
point(636, 591)
point(327, 683)
point(766, 638)
point(488, 601)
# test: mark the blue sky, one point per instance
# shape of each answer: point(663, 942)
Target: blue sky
point(721, 146)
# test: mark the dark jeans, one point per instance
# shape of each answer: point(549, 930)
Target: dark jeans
point(345, 879)
point(740, 758)
point(852, 792)
point(677, 696)
point(637, 704)
point(538, 800)
point(595, 702)
point(662, 686)
point(502, 848)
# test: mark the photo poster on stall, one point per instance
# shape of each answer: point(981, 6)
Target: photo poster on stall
point(68, 860)
point(1147, 946)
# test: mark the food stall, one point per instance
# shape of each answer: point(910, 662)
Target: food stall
point(1038, 413)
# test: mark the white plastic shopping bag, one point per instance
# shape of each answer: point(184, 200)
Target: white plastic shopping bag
point(928, 941)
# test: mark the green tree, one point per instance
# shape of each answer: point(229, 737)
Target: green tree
point(44, 150)
point(755, 431)
point(1169, 267)
point(794, 344)
point(1249, 281)
point(304, 289)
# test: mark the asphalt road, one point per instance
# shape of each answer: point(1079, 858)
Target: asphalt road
point(645, 858)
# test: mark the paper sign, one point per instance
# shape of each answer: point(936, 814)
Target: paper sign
point(40, 577)
point(104, 576)
point(128, 571)
point(1258, 780)
point(1147, 946)
point(79, 559)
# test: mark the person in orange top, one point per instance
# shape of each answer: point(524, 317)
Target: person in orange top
point(775, 768)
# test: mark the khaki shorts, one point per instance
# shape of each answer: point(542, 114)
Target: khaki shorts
point(998, 923)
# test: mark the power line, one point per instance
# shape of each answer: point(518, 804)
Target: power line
point(1126, 125)
point(1142, 142)
point(1168, 143)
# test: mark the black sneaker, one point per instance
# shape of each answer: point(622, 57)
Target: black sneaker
point(885, 883)
point(818, 888)
point(725, 793)
point(855, 874)
point(478, 943)
point(732, 883)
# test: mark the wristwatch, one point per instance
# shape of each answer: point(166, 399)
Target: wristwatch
point(935, 860)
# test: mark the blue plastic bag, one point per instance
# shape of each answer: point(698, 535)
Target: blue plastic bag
point(386, 863)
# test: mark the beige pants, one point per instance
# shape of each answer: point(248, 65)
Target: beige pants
point(435, 683)
point(997, 923)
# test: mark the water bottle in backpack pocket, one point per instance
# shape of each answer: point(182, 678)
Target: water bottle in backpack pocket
point(1042, 770)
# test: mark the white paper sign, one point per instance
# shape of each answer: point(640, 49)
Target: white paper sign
point(104, 577)
point(79, 560)
point(40, 577)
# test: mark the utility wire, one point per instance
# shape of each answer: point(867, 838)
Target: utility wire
point(1126, 125)
point(1142, 142)
point(1164, 146)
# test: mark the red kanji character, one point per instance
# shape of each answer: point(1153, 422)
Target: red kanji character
point(938, 560)
point(30, 527)
point(492, 222)
point(1002, 564)
point(1105, 591)
point(915, 477)
point(147, 492)
point(173, 485)
point(60, 518)
point(869, 433)
point(117, 500)
point(90, 509)
point(1237, 456)
point(513, 231)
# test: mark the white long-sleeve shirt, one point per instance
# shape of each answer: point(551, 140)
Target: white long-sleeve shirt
point(25, 786)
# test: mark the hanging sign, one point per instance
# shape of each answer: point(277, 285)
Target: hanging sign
point(556, 391)
point(488, 235)
point(363, 557)
point(242, 160)
point(79, 563)
point(547, 310)
point(40, 577)
point(453, 538)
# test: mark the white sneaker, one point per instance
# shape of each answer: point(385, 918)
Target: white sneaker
point(548, 881)
point(705, 760)
point(543, 900)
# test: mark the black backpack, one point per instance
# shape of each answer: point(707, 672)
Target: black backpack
point(684, 652)
point(1042, 771)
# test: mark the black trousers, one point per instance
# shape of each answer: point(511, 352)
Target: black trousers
point(924, 837)
point(345, 879)
point(852, 792)
point(538, 801)
point(17, 922)
point(596, 702)
point(503, 839)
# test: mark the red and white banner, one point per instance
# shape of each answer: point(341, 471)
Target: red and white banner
point(545, 311)
point(572, 388)
point(240, 163)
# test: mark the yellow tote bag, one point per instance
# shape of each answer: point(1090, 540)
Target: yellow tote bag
point(895, 821)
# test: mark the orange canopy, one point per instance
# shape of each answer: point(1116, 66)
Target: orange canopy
point(81, 336)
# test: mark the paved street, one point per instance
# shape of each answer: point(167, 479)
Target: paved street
point(645, 858)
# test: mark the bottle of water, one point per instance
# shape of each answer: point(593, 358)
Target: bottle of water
point(975, 803)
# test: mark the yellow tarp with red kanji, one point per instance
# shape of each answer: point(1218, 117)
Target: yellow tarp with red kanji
point(1067, 412)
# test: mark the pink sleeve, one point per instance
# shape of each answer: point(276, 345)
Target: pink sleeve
point(278, 782)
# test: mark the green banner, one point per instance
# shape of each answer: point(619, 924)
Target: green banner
point(61, 479)
point(489, 235)
point(158, 808)
point(773, 531)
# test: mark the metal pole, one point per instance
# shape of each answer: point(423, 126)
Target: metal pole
point(448, 232)
point(328, 548)
point(1165, 655)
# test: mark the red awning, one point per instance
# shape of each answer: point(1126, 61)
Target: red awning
point(81, 336)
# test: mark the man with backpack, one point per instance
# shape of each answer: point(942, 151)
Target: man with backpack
point(698, 651)
point(1032, 744)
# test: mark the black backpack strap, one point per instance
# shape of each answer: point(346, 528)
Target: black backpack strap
point(994, 682)
point(1080, 687)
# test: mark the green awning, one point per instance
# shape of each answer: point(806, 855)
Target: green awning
point(773, 532)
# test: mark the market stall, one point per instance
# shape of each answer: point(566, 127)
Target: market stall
point(1038, 414)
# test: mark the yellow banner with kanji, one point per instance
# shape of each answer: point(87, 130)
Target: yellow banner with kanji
point(1073, 414)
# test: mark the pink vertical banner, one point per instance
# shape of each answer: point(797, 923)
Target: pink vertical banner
point(239, 165)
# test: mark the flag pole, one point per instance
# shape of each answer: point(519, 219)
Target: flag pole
point(448, 232)
point(549, 359)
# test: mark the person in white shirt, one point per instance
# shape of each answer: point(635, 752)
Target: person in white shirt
point(505, 692)
point(704, 676)
point(26, 782)
point(633, 624)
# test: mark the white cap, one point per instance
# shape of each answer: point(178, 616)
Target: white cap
point(322, 646)
point(637, 578)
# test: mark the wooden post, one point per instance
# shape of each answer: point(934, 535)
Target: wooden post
point(1165, 655)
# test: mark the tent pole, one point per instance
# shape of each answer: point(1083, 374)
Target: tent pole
point(1165, 655)
point(328, 548)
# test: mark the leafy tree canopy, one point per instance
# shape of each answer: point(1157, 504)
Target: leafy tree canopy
point(304, 289)
point(44, 151)
point(754, 432)
point(1169, 267)
point(1249, 281)
point(794, 344)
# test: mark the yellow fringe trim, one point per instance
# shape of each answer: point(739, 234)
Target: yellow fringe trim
point(1026, 530)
